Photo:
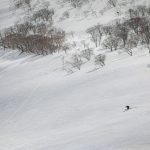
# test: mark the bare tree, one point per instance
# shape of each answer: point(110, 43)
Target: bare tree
point(136, 24)
point(76, 61)
point(100, 60)
point(121, 32)
point(41, 28)
point(65, 47)
point(2, 41)
point(133, 13)
point(93, 34)
point(141, 10)
point(23, 28)
point(148, 11)
point(146, 35)
point(112, 3)
point(87, 53)
point(43, 14)
point(108, 29)
point(131, 43)
point(96, 33)
point(111, 43)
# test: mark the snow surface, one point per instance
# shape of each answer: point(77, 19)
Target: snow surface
point(43, 108)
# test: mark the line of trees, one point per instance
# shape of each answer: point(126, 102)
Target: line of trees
point(127, 33)
point(36, 34)
point(78, 59)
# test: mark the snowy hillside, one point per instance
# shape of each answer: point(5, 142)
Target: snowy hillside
point(43, 107)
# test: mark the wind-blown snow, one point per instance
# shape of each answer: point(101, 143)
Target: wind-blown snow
point(43, 108)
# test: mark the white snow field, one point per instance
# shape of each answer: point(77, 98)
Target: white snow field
point(43, 108)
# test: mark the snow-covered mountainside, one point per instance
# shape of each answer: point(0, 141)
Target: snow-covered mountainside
point(45, 107)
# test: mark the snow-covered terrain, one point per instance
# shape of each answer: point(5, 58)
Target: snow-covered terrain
point(44, 108)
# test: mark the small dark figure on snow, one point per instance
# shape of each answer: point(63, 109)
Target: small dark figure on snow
point(127, 108)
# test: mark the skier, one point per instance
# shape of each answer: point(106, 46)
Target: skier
point(127, 108)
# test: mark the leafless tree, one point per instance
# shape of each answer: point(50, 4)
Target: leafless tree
point(131, 43)
point(43, 14)
point(2, 44)
point(111, 43)
point(148, 11)
point(121, 31)
point(100, 60)
point(87, 53)
point(141, 10)
point(108, 29)
point(41, 28)
point(65, 47)
point(23, 28)
point(136, 24)
point(96, 33)
point(146, 35)
point(133, 13)
point(112, 3)
point(76, 61)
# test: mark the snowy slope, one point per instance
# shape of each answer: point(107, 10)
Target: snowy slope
point(43, 108)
